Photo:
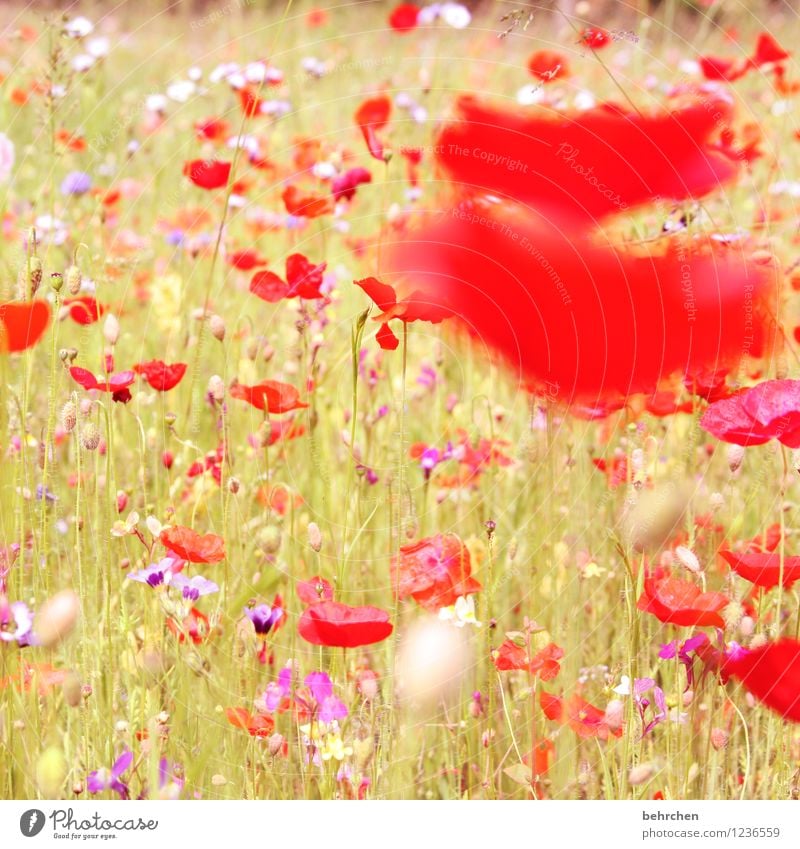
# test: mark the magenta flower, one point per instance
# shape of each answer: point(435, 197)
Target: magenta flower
point(329, 707)
point(103, 779)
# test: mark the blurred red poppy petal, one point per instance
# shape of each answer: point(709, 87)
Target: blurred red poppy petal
point(403, 18)
point(208, 173)
point(772, 674)
point(161, 376)
point(194, 547)
point(268, 286)
point(764, 570)
point(22, 324)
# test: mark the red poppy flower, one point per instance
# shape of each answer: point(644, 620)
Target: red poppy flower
point(272, 396)
point(84, 309)
point(595, 38)
point(544, 663)
point(404, 17)
point(331, 623)
point(195, 626)
point(285, 429)
point(588, 164)
point(43, 675)
point(772, 674)
point(547, 65)
point(373, 115)
point(22, 324)
point(191, 546)
point(414, 307)
point(764, 570)
point(245, 260)
point(278, 498)
point(563, 312)
point(213, 129)
point(681, 602)
point(161, 376)
point(767, 52)
point(583, 718)
point(345, 185)
point(303, 280)
point(117, 384)
point(306, 206)
point(314, 590)
point(721, 69)
point(258, 725)
point(770, 410)
point(208, 173)
point(434, 571)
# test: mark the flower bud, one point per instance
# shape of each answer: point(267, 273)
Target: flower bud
point(111, 329)
point(735, 455)
point(90, 436)
point(217, 327)
point(640, 774)
point(719, 738)
point(74, 279)
point(314, 536)
point(69, 416)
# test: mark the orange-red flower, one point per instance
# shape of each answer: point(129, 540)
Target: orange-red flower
point(434, 571)
point(331, 623)
point(256, 725)
point(194, 547)
point(680, 602)
point(306, 205)
point(543, 664)
point(161, 376)
point(272, 396)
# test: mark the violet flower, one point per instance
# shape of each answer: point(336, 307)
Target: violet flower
point(277, 691)
point(76, 183)
point(16, 621)
point(155, 574)
point(263, 617)
point(193, 588)
point(104, 779)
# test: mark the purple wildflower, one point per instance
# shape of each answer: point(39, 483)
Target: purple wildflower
point(263, 617)
point(321, 686)
point(16, 621)
point(104, 779)
point(155, 574)
point(193, 588)
point(76, 183)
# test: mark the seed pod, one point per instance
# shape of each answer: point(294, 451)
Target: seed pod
point(74, 279)
point(69, 416)
point(56, 281)
point(688, 559)
point(90, 436)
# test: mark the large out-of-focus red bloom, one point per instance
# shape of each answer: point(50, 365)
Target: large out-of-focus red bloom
point(587, 164)
point(331, 623)
point(373, 115)
point(586, 321)
point(679, 602)
point(272, 396)
point(770, 410)
point(434, 571)
point(22, 324)
point(772, 674)
point(403, 18)
point(208, 173)
point(303, 280)
point(191, 546)
point(161, 376)
point(764, 570)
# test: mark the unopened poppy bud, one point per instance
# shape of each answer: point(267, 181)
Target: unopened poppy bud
point(90, 436)
point(687, 698)
point(615, 710)
point(74, 279)
point(233, 485)
point(167, 459)
point(314, 536)
point(717, 501)
point(251, 348)
point(69, 416)
point(719, 738)
point(122, 500)
point(640, 774)
point(63, 354)
point(56, 281)
point(275, 744)
point(269, 539)
point(111, 329)
point(77, 788)
point(735, 454)
point(56, 618)
point(781, 367)
point(747, 626)
point(85, 406)
point(217, 327)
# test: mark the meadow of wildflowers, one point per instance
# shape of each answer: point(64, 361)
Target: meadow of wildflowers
point(399, 401)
